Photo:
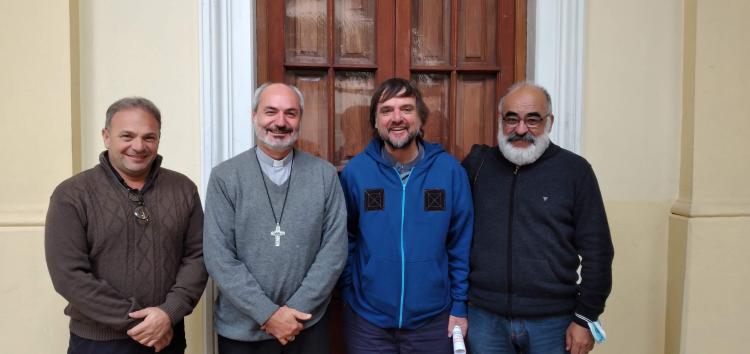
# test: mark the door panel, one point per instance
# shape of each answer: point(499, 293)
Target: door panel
point(475, 119)
point(431, 39)
point(314, 125)
point(477, 32)
point(306, 31)
point(354, 42)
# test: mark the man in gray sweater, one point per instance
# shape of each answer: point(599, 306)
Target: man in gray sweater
point(274, 236)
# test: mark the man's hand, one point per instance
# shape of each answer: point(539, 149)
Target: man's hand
point(155, 330)
point(457, 321)
point(285, 323)
point(578, 339)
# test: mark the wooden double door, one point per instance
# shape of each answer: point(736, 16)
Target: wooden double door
point(462, 54)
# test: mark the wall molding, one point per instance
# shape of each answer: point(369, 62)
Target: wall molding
point(555, 61)
point(23, 215)
point(227, 80)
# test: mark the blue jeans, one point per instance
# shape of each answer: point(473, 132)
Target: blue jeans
point(490, 333)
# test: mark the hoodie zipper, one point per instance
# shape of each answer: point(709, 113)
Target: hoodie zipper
point(403, 265)
point(509, 302)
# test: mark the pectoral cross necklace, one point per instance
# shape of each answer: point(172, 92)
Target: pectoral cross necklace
point(277, 233)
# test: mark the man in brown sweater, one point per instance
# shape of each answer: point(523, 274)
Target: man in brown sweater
point(123, 242)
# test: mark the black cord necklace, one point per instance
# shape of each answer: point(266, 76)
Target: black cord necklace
point(276, 233)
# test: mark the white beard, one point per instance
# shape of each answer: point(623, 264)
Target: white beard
point(524, 156)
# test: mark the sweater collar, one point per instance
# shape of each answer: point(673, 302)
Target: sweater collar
point(155, 167)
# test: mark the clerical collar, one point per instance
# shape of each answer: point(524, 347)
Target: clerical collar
point(278, 171)
point(270, 162)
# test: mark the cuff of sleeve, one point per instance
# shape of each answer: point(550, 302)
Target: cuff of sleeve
point(175, 310)
point(459, 309)
point(264, 313)
point(583, 320)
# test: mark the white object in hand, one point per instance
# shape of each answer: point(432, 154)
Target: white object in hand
point(458, 341)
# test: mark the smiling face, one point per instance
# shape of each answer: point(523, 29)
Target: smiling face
point(276, 120)
point(520, 143)
point(132, 142)
point(398, 122)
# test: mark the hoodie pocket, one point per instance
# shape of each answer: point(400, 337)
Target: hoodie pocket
point(427, 287)
point(381, 285)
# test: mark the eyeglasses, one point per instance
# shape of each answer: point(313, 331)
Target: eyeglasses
point(141, 212)
point(532, 120)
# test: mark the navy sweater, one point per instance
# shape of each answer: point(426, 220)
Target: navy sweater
point(531, 225)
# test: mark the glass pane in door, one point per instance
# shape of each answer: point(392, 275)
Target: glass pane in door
point(435, 89)
point(314, 124)
point(353, 130)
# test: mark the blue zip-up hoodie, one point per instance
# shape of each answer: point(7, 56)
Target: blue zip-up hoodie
point(408, 241)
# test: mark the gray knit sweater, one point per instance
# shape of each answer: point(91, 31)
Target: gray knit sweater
point(254, 276)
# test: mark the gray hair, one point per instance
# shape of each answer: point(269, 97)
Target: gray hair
point(261, 88)
point(523, 84)
point(132, 103)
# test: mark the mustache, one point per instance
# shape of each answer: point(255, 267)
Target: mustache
point(516, 137)
point(279, 130)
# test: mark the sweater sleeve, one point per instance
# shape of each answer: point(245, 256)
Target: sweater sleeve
point(594, 244)
point(323, 274)
point(67, 254)
point(352, 226)
point(191, 277)
point(459, 241)
point(234, 280)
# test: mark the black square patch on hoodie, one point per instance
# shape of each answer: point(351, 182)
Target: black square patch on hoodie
point(434, 199)
point(374, 199)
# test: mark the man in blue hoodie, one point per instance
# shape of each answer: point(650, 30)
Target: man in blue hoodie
point(410, 219)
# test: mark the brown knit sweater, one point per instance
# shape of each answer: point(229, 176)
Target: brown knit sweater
point(107, 263)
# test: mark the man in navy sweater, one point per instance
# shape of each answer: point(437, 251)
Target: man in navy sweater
point(539, 216)
point(410, 224)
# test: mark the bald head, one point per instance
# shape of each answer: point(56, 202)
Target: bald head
point(526, 89)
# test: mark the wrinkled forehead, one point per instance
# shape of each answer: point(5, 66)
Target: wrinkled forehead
point(280, 97)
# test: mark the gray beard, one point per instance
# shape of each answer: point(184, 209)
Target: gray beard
point(274, 144)
point(523, 156)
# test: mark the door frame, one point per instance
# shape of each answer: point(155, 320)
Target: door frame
point(555, 53)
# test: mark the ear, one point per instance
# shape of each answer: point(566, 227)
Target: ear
point(106, 137)
point(551, 121)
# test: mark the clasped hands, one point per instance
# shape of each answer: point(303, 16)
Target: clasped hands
point(154, 331)
point(285, 324)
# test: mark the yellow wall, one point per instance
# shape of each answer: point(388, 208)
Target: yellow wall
point(709, 268)
point(631, 136)
point(35, 119)
point(62, 64)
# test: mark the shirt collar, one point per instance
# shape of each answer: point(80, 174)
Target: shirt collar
point(392, 162)
point(270, 162)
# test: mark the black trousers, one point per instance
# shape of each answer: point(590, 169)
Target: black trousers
point(313, 340)
point(79, 345)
